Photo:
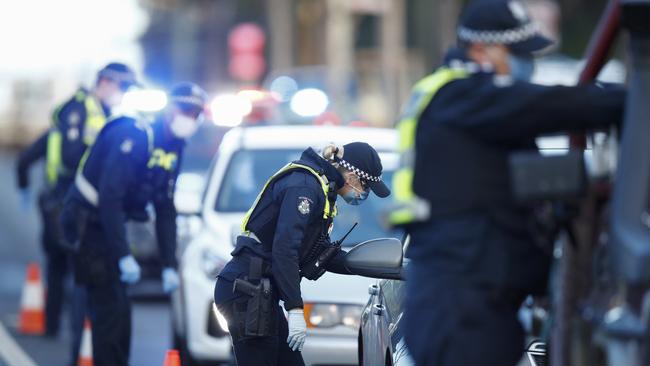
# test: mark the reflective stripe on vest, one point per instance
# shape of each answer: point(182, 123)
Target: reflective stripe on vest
point(53, 156)
point(95, 120)
point(409, 208)
point(294, 166)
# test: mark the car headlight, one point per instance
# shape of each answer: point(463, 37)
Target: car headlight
point(331, 315)
point(211, 263)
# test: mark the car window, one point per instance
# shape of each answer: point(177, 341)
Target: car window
point(249, 170)
point(246, 175)
point(393, 293)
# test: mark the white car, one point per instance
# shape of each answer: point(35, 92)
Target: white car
point(247, 157)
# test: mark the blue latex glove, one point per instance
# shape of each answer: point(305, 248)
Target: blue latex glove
point(129, 269)
point(26, 199)
point(170, 279)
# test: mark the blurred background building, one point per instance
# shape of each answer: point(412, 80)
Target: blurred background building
point(360, 57)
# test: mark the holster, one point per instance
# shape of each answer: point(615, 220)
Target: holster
point(324, 251)
point(74, 220)
point(51, 207)
point(257, 318)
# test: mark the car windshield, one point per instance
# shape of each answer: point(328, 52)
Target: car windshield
point(249, 170)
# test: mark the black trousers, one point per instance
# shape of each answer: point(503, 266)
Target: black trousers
point(57, 262)
point(110, 314)
point(258, 351)
point(108, 303)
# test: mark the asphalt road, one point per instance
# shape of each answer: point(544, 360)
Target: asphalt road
point(19, 246)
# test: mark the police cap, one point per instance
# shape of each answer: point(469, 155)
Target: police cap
point(119, 73)
point(188, 96)
point(362, 159)
point(501, 22)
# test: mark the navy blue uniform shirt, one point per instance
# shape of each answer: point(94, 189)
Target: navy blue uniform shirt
point(28, 156)
point(287, 220)
point(128, 173)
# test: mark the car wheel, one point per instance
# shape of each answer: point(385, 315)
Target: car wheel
point(389, 360)
point(360, 348)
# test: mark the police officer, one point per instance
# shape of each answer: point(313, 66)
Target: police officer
point(473, 257)
point(75, 125)
point(131, 164)
point(286, 237)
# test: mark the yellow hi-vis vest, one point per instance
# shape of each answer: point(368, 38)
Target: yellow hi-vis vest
point(329, 211)
point(94, 122)
point(408, 207)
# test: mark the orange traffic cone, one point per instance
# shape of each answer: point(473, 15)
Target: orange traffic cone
point(32, 314)
point(172, 358)
point(86, 349)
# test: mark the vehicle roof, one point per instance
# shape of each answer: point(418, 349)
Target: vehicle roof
point(291, 136)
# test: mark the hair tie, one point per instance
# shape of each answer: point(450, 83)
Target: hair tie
point(336, 154)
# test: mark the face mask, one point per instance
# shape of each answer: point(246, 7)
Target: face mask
point(113, 100)
point(521, 68)
point(354, 197)
point(183, 126)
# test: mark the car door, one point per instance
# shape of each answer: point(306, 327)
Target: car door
point(372, 328)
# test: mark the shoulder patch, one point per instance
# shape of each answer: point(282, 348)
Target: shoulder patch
point(74, 118)
point(304, 205)
point(126, 146)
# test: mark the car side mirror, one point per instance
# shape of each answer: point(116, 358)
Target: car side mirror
point(188, 194)
point(377, 258)
point(187, 203)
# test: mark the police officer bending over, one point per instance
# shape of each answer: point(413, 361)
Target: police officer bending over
point(131, 164)
point(286, 237)
point(473, 257)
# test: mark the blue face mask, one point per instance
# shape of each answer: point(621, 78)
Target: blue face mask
point(521, 68)
point(354, 197)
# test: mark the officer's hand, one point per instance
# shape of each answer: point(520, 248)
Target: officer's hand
point(170, 279)
point(25, 199)
point(129, 269)
point(297, 329)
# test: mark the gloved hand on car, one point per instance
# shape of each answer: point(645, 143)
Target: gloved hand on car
point(297, 329)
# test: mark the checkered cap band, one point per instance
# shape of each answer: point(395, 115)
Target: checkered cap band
point(360, 173)
point(193, 100)
point(508, 36)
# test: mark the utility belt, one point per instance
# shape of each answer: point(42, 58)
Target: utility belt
point(255, 316)
point(312, 265)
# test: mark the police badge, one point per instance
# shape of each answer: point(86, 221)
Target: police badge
point(304, 206)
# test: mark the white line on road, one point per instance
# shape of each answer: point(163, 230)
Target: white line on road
point(11, 352)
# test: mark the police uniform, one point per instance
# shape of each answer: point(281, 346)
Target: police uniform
point(473, 255)
point(75, 124)
point(132, 163)
point(285, 233)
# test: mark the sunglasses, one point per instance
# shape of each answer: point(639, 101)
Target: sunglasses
point(359, 181)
